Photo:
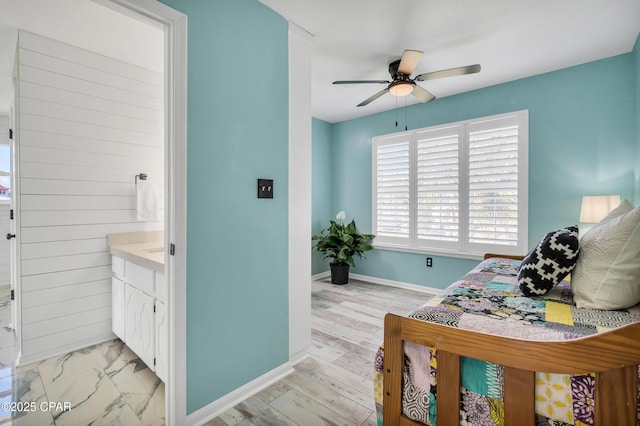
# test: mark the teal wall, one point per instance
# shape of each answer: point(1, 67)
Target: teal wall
point(237, 261)
point(581, 141)
point(321, 179)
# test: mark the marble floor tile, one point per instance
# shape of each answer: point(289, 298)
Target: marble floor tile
point(36, 418)
point(154, 412)
point(7, 357)
point(22, 396)
point(141, 390)
point(80, 384)
point(90, 393)
point(113, 355)
point(118, 414)
point(68, 364)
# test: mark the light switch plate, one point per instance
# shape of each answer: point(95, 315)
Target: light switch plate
point(265, 188)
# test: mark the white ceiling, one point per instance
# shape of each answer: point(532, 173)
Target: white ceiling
point(356, 39)
point(83, 23)
point(511, 39)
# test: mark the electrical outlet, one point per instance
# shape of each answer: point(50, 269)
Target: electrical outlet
point(429, 262)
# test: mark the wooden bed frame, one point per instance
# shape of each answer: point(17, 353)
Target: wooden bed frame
point(616, 369)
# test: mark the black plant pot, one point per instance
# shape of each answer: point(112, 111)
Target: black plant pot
point(339, 273)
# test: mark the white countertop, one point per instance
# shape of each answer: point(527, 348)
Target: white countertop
point(143, 248)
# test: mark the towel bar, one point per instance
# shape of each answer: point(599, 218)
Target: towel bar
point(142, 176)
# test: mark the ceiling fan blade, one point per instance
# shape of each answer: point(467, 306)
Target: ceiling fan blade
point(360, 81)
point(422, 94)
point(409, 61)
point(469, 69)
point(373, 98)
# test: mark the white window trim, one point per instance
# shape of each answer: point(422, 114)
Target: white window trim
point(468, 251)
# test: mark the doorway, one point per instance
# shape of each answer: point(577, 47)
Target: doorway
point(173, 25)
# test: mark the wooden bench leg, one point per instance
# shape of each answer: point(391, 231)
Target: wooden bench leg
point(616, 397)
point(392, 371)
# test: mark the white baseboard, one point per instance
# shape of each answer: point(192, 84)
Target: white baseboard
point(300, 356)
point(235, 397)
point(320, 276)
point(382, 281)
point(398, 284)
point(22, 360)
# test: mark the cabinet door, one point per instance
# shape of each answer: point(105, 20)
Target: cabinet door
point(117, 308)
point(162, 341)
point(132, 324)
point(140, 324)
point(147, 329)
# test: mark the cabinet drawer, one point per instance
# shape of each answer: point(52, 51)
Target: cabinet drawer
point(139, 277)
point(117, 266)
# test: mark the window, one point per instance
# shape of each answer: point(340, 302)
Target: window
point(458, 189)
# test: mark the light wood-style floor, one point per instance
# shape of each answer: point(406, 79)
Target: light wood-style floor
point(333, 386)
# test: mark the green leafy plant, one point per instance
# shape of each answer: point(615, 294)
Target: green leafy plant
point(341, 242)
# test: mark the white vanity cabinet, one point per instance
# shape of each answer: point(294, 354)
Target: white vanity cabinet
point(162, 340)
point(117, 307)
point(139, 314)
point(139, 324)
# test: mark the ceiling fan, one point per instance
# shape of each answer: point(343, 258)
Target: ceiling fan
point(402, 84)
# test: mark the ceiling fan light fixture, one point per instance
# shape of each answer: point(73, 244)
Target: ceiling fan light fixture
point(401, 88)
point(402, 84)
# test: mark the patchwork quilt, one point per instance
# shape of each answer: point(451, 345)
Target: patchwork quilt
point(488, 300)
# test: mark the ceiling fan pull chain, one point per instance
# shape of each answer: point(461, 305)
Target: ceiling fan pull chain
point(405, 115)
point(396, 112)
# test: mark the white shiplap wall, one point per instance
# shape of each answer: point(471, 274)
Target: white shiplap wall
point(87, 125)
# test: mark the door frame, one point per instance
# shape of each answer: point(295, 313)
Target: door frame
point(174, 25)
point(14, 262)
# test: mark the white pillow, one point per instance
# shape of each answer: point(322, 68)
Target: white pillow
point(607, 274)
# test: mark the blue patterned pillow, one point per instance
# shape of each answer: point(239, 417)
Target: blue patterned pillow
point(549, 262)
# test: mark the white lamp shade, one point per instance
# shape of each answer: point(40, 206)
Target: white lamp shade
point(596, 207)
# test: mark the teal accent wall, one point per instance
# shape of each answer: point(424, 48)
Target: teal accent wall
point(582, 141)
point(237, 261)
point(321, 182)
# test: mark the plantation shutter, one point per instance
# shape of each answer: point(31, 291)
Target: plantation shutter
point(392, 189)
point(458, 189)
point(493, 182)
point(438, 188)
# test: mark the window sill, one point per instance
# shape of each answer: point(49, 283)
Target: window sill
point(435, 252)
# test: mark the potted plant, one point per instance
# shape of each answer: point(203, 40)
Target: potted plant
point(341, 243)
